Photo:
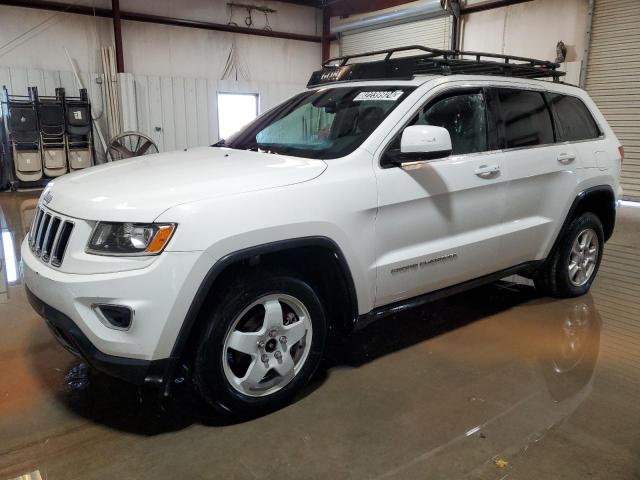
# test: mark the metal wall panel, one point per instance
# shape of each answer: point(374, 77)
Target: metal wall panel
point(191, 111)
point(175, 112)
point(168, 122)
point(154, 124)
point(182, 113)
point(613, 79)
point(434, 33)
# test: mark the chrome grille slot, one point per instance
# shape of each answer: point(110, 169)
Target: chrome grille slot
point(49, 236)
point(34, 227)
point(42, 231)
point(60, 245)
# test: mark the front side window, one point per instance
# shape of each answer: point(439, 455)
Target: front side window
point(464, 116)
point(574, 119)
point(526, 118)
point(327, 123)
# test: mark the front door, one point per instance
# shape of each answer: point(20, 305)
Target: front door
point(439, 222)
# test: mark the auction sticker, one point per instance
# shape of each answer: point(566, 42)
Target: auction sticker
point(384, 96)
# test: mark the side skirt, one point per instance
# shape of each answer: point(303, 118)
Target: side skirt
point(526, 268)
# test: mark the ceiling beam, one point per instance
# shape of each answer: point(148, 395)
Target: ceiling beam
point(157, 19)
point(304, 3)
point(489, 5)
point(342, 8)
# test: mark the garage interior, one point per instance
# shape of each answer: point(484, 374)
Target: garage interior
point(497, 382)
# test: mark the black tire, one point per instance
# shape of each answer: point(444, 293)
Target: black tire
point(209, 375)
point(553, 279)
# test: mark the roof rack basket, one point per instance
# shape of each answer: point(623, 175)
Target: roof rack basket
point(432, 61)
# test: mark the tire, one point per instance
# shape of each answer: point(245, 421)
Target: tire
point(247, 318)
point(559, 277)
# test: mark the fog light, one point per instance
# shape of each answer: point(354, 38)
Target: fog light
point(115, 316)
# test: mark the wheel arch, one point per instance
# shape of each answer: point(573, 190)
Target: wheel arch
point(599, 200)
point(337, 288)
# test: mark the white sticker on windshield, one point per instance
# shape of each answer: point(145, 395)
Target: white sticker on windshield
point(384, 96)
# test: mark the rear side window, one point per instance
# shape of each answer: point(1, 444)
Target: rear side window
point(574, 119)
point(526, 118)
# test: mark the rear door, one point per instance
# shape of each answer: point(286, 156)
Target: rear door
point(438, 222)
point(542, 175)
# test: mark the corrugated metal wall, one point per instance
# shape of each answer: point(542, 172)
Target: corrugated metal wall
point(176, 112)
point(435, 33)
point(183, 112)
point(613, 79)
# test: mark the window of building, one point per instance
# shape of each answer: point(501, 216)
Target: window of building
point(235, 110)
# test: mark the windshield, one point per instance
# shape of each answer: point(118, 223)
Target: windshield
point(323, 124)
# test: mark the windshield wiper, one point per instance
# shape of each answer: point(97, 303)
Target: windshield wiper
point(221, 143)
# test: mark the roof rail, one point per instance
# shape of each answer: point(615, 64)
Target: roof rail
point(432, 61)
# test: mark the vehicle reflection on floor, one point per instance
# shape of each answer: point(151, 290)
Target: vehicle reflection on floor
point(493, 383)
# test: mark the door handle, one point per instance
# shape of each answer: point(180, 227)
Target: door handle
point(566, 158)
point(487, 171)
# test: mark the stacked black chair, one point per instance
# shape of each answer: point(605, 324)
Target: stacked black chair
point(52, 132)
point(23, 136)
point(79, 132)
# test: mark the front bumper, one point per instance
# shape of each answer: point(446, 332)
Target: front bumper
point(71, 337)
point(159, 294)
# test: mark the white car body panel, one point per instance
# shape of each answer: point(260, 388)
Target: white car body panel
point(140, 189)
point(224, 201)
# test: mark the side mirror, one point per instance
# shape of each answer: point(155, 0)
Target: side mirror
point(421, 143)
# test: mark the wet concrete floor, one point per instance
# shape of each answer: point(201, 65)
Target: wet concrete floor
point(494, 383)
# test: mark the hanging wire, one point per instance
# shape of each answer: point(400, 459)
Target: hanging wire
point(230, 21)
point(234, 67)
point(267, 26)
point(28, 31)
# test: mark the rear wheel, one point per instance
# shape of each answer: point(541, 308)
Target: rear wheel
point(570, 271)
point(264, 341)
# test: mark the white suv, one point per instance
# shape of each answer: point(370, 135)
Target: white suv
point(383, 186)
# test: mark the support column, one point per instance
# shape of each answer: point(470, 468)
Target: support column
point(117, 35)
point(326, 34)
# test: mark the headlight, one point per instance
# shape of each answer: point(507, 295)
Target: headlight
point(129, 238)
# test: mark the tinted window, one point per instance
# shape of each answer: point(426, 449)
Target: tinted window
point(574, 119)
point(527, 120)
point(464, 116)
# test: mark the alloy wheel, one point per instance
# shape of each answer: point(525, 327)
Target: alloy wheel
point(583, 257)
point(267, 345)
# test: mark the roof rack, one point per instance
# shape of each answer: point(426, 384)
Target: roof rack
point(433, 61)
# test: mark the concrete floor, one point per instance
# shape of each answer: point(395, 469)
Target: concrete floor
point(495, 383)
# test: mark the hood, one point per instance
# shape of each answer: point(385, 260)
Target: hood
point(140, 189)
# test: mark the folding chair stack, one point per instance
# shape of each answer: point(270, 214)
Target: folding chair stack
point(79, 132)
point(52, 133)
point(44, 137)
point(23, 136)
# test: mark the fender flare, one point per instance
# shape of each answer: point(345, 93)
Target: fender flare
point(580, 197)
point(231, 258)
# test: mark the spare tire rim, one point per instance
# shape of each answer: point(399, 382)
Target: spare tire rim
point(267, 345)
point(583, 257)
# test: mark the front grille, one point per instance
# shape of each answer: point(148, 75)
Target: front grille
point(49, 236)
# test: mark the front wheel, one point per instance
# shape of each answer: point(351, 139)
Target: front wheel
point(570, 271)
point(263, 343)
